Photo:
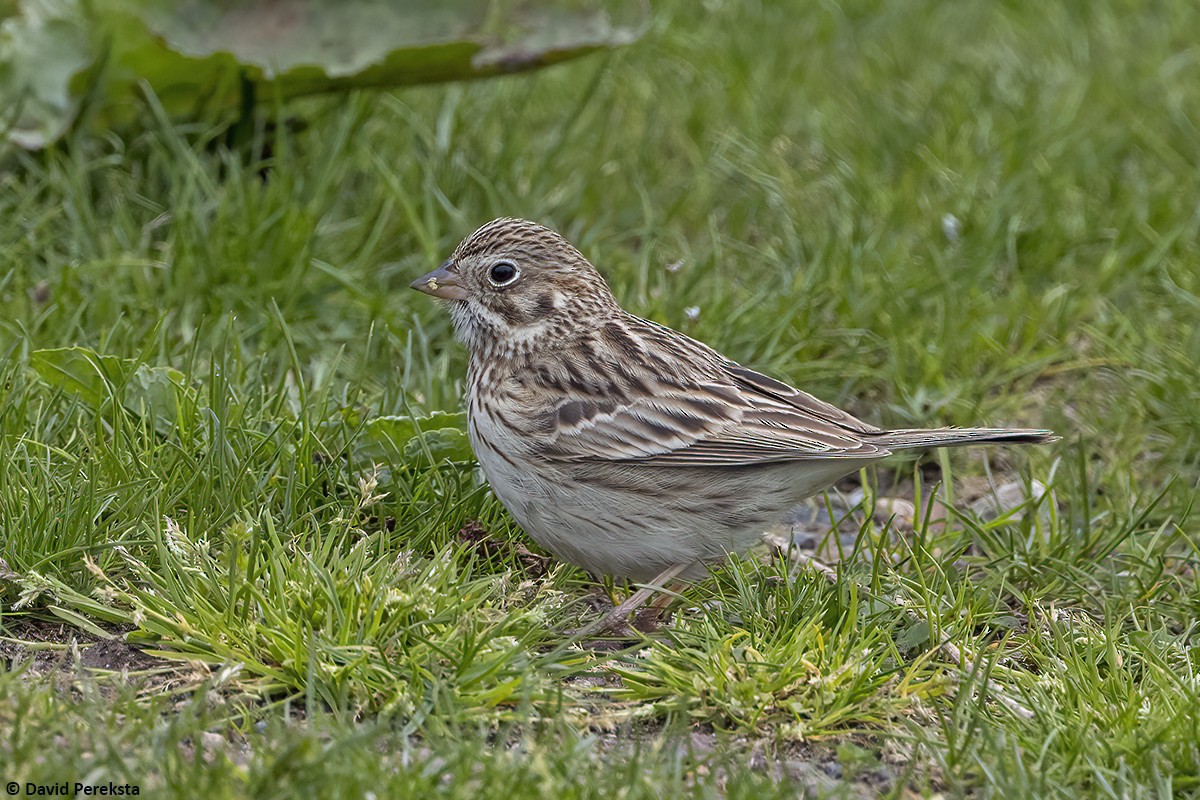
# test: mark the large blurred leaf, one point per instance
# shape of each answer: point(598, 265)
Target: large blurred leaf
point(42, 53)
point(204, 56)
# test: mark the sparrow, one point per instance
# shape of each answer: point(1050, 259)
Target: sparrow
point(625, 447)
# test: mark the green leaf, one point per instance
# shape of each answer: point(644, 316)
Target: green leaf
point(155, 390)
point(96, 379)
point(916, 635)
point(420, 441)
point(82, 622)
point(42, 52)
point(80, 371)
point(445, 444)
point(203, 57)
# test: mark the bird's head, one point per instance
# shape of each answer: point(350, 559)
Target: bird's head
point(516, 286)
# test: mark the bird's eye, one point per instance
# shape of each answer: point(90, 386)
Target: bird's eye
point(503, 273)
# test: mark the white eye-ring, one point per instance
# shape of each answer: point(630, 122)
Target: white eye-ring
point(503, 273)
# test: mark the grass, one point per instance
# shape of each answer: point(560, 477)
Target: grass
point(929, 213)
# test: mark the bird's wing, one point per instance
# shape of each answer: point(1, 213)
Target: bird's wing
point(734, 416)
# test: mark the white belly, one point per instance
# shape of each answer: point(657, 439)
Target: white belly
point(636, 521)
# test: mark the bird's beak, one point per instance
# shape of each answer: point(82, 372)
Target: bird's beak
point(443, 282)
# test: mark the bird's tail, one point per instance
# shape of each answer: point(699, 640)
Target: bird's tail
point(960, 437)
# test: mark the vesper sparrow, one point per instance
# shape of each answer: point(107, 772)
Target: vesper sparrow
point(622, 446)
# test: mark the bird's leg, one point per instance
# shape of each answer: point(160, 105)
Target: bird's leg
point(610, 589)
point(649, 618)
point(616, 618)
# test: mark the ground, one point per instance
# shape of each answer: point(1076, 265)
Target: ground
point(232, 567)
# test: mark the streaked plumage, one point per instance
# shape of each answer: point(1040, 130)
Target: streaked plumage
point(623, 446)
